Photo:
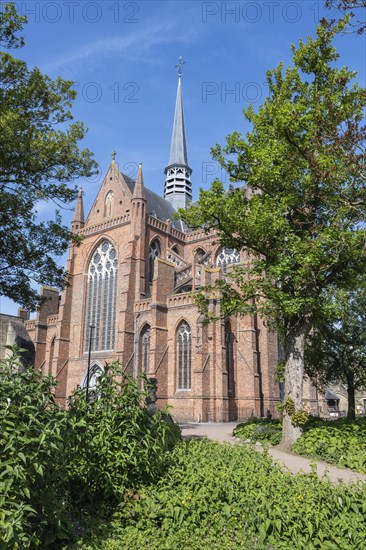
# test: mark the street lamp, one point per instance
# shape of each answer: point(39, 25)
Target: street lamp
point(91, 327)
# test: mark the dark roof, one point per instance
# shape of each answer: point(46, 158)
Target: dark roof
point(156, 205)
point(178, 148)
point(331, 396)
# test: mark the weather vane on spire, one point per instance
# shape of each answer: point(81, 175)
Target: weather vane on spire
point(179, 66)
point(114, 156)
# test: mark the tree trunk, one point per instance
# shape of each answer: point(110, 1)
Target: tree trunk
point(294, 378)
point(351, 409)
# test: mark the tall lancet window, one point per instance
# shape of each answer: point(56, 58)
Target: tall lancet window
point(108, 205)
point(145, 349)
point(101, 298)
point(229, 345)
point(200, 253)
point(184, 356)
point(154, 252)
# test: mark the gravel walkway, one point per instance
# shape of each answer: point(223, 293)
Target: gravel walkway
point(291, 462)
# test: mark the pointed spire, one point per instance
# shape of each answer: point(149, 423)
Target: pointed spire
point(178, 147)
point(139, 190)
point(178, 187)
point(78, 219)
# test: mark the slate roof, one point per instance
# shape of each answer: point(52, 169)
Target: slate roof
point(329, 395)
point(178, 148)
point(156, 206)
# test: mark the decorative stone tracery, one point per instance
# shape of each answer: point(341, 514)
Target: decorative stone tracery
point(101, 299)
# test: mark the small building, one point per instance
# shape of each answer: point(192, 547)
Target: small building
point(14, 333)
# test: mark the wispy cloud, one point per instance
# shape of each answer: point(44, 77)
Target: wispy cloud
point(132, 46)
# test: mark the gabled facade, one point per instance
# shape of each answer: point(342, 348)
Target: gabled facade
point(131, 298)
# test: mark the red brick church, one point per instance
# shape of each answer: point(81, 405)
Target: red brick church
point(131, 297)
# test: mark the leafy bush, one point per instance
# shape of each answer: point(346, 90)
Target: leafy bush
point(33, 500)
point(55, 464)
point(260, 429)
point(340, 441)
point(114, 443)
point(227, 496)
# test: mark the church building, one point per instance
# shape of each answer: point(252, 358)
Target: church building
point(131, 297)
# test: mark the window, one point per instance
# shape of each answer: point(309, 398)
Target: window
point(200, 253)
point(95, 371)
point(229, 345)
point(108, 206)
point(101, 298)
point(154, 252)
point(145, 349)
point(184, 356)
point(226, 257)
point(52, 353)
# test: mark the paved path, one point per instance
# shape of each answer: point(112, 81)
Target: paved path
point(291, 462)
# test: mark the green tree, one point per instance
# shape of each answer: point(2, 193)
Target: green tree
point(298, 214)
point(336, 350)
point(39, 158)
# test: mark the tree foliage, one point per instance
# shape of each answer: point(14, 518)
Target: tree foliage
point(57, 464)
point(33, 495)
point(299, 213)
point(355, 8)
point(115, 443)
point(39, 159)
point(336, 349)
point(10, 24)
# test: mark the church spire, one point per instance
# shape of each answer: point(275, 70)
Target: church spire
point(178, 187)
point(139, 190)
point(78, 219)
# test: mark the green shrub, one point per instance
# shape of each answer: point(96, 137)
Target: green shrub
point(114, 443)
point(259, 429)
point(340, 441)
point(55, 465)
point(230, 496)
point(33, 497)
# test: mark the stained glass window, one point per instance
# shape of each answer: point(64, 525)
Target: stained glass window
point(184, 356)
point(154, 252)
point(95, 371)
point(229, 345)
point(145, 349)
point(101, 299)
point(200, 254)
point(227, 256)
point(108, 206)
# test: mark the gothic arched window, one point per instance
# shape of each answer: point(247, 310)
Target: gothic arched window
point(145, 349)
point(52, 353)
point(95, 371)
point(184, 356)
point(200, 253)
point(108, 205)
point(226, 257)
point(101, 298)
point(229, 346)
point(154, 252)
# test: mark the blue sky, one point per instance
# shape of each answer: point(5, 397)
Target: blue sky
point(122, 55)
